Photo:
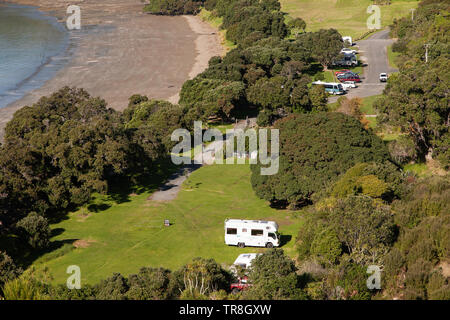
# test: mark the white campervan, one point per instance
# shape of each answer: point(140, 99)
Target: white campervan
point(252, 233)
point(244, 261)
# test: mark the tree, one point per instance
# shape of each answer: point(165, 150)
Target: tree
point(113, 288)
point(417, 101)
point(324, 45)
point(201, 277)
point(314, 150)
point(62, 149)
point(318, 98)
point(149, 284)
point(296, 25)
point(364, 227)
point(273, 276)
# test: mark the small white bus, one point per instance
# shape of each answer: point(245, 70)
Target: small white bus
point(251, 233)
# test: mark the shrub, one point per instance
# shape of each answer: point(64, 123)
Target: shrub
point(273, 276)
point(8, 269)
point(35, 230)
point(113, 288)
point(403, 150)
point(149, 284)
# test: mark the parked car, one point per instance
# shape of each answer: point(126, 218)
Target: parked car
point(345, 72)
point(348, 77)
point(383, 77)
point(348, 84)
point(346, 60)
point(342, 71)
point(348, 51)
point(241, 285)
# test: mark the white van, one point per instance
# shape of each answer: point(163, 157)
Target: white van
point(252, 233)
point(244, 261)
point(331, 87)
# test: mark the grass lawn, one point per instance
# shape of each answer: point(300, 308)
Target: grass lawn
point(347, 16)
point(367, 104)
point(129, 235)
point(420, 169)
point(221, 127)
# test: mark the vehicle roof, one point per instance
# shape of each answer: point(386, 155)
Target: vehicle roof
point(245, 258)
point(251, 222)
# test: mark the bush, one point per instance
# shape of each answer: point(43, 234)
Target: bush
point(8, 269)
point(150, 284)
point(377, 180)
point(113, 288)
point(35, 230)
point(403, 150)
point(273, 276)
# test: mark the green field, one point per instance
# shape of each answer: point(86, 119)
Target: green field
point(347, 16)
point(129, 235)
point(367, 104)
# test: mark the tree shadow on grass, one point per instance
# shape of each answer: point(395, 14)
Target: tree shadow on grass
point(284, 239)
point(120, 189)
point(27, 260)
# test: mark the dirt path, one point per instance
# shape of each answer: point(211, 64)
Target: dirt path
point(120, 51)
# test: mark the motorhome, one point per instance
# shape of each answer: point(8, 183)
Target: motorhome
point(348, 40)
point(252, 233)
point(331, 87)
point(244, 261)
point(347, 60)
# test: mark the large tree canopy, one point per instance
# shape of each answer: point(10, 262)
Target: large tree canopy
point(61, 150)
point(314, 150)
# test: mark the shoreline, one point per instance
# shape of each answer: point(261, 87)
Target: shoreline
point(50, 66)
point(121, 51)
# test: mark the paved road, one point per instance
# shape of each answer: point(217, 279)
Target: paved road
point(373, 53)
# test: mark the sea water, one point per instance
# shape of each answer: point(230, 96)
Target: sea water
point(32, 49)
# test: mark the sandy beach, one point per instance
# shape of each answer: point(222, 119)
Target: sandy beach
point(121, 51)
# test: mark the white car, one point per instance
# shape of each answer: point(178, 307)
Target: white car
point(348, 84)
point(348, 51)
point(383, 77)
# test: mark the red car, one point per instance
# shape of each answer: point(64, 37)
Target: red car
point(342, 71)
point(348, 77)
point(242, 284)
